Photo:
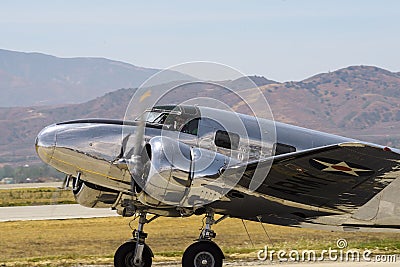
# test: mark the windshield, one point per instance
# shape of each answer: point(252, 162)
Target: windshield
point(154, 116)
point(185, 121)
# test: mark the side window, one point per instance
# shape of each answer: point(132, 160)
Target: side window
point(283, 149)
point(161, 119)
point(227, 140)
point(191, 127)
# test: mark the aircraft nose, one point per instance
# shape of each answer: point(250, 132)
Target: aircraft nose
point(46, 142)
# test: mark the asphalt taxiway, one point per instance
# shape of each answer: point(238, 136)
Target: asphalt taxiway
point(52, 212)
point(30, 185)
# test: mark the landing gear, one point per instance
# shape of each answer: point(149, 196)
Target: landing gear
point(204, 253)
point(125, 256)
point(135, 253)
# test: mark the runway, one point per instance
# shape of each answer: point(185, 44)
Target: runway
point(30, 185)
point(52, 212)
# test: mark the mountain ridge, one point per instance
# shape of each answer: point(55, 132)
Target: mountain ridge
point(362, 102)
point(28, 79)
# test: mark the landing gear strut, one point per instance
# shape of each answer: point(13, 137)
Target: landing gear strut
point(204, 252)
point(135, 253)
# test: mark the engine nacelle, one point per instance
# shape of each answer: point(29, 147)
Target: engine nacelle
point(94, 196)
point(180, 175)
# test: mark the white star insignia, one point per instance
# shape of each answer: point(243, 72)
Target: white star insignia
point(340, 167)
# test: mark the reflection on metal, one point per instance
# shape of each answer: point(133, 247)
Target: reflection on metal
point(77, 182)
point(328, 180)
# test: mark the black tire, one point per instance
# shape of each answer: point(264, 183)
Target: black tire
point(202, 254)
point(125, 254)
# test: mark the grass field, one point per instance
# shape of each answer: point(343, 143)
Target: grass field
point(35, 196)
point(93, 241)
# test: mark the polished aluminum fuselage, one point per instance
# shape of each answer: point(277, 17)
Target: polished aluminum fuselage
point(92, 148)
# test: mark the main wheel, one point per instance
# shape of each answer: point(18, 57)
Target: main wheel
point(125, 255)
point(202, 254)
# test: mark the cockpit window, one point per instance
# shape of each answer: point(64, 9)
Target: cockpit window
point(152, 116)
point(179, 118)
point(191, 127)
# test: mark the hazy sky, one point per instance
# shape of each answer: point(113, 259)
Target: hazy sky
point(279, 39)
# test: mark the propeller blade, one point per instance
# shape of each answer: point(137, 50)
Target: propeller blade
point(135, 162)
point(136, 158)
point(138, 138)
point(123, 147)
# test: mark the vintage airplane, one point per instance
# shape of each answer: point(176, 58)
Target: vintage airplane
point(176, 160)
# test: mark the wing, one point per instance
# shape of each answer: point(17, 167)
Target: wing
point(340, 178)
